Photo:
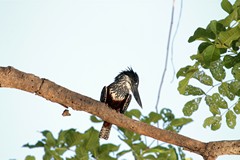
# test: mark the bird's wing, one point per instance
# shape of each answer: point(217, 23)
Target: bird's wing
point(126, 103)
point(103, 97)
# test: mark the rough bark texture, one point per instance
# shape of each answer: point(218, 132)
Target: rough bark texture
point(13, 78)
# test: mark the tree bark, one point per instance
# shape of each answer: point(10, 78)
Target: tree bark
point(13, 78)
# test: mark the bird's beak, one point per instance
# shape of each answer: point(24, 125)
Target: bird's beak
point(137, 96)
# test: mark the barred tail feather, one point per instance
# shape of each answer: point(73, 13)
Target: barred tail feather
point(105, 131)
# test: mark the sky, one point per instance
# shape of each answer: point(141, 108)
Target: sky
point(82, 45)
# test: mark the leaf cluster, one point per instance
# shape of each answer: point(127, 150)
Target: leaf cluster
point(217, 54)
point(86, 145)
point(81, 146)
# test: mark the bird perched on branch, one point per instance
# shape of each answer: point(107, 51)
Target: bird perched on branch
point(118, 95)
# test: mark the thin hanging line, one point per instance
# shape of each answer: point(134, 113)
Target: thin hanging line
point(173, 40)
point(166, 59)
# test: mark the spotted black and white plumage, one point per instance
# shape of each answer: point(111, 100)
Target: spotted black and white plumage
point(118, 95)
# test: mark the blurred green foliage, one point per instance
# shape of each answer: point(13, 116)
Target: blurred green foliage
point(85, 146)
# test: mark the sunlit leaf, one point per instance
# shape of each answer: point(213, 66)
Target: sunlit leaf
point(215, 27)
point(216, 125)
point(183, 71)
point(231, 119)
point(191, 90)
point(134, 112)
point(224, 89)
point(235, 87)
point(216, 100)
point(228, 61)
point(167, 115)
point(91, 139)
point(183, 83)
point(202, 77)
point(61, 150)
point(108, 148)
point(173, 155)
point(213, 121)
point(181, 121)
point(50, 140)
point(210, 54)
point(119, 154)
point(201, 34)
point(70, 137)
point(214, 110)
point(191, 106)
point(226, 6)
point(155, 117)
point(236, 71)
point(29, 158)
point(38, 144)
point(236, 108)
point(217, 70)
point(95, 119)
point(226, 37)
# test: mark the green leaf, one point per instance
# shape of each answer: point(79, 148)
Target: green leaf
point(107, 148)
point(191, 106)
point(215, 27)
point(228, 61)
point(61, 150)
point(227, 6)
point(29, 158)
point(134, 112)
point(230, 18)
point(215, 102)
point(167, 115)
point(38, 144)
point(235, 87)
point(173, 155)
point(138, 147)
point(210, 54)
point(214, 122)
point(180, 121)
point(119, 154)
point(183, 83)
point(177, 124)
point(226, 37)
point(216, 125)
point(70, 137)
point(231, 119)
point(191, 90)
point(224, 89)
point(91, 139)
point(236, 108)
point(81, 153)
point(183, 71)
point(202, 77)
point(154, 117)
point(201, 34)
point(217, 70)
point(214, 110)
point(203, 46)
point(236, 71)
point(95, 119)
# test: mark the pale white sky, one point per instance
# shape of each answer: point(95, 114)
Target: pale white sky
point(82, 45)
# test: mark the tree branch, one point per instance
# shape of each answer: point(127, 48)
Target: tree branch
point(13, 78)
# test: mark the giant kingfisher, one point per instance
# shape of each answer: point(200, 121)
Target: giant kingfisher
point(118, 95)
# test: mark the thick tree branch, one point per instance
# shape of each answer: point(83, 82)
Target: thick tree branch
point(13, 78)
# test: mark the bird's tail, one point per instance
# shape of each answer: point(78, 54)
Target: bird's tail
point(105, 131)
